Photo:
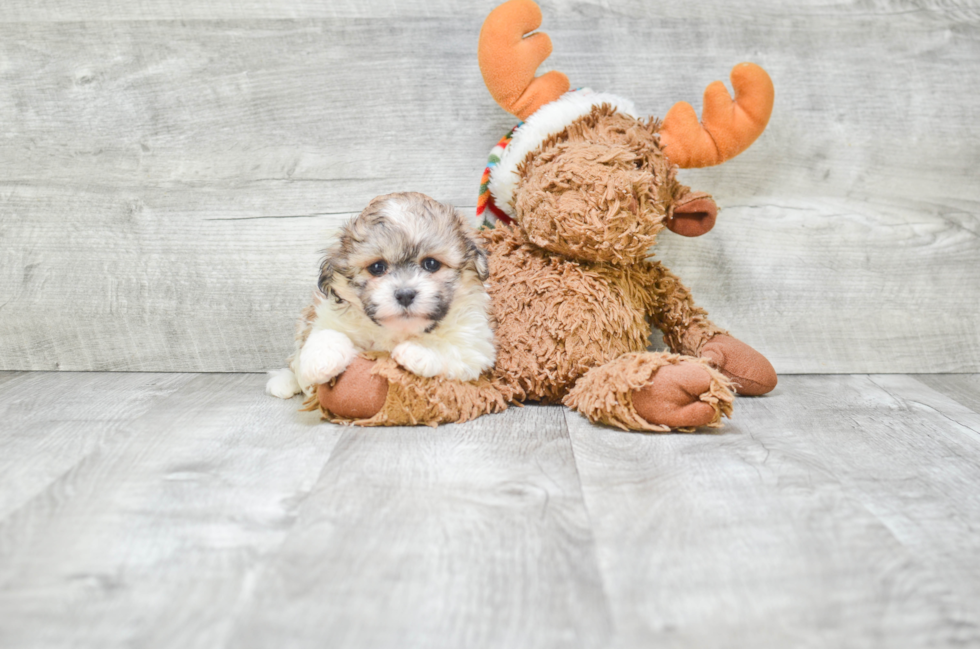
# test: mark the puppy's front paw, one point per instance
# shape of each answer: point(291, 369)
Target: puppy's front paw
point(282, 383)
point(325, 354)
point(417, 359)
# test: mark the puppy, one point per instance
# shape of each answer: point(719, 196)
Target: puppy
point(406, 277)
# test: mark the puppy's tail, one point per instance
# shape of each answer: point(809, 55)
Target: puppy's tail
point(282, 383)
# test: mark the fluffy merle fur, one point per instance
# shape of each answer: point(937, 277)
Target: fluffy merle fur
point(426, 249)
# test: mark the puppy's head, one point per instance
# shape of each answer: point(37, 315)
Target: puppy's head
point(403, 261)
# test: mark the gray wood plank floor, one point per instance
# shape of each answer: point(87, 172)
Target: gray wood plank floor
point(189, 510)
point(169, 169)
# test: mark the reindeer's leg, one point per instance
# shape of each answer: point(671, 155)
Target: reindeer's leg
point(655, 391)
point(751, 372)
point(687, 330)
point(380, 393)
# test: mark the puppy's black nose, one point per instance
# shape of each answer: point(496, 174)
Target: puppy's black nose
point(405, 296)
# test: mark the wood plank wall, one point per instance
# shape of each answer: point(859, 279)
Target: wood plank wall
point(169, 169)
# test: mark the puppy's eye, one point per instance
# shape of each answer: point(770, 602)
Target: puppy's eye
point(431, 265)
point(378, 268)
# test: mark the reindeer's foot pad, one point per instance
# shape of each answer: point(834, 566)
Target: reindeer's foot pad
point(377, 392)
point(653, 391)
point(354, 395)
point(673, 397)
point(750, 371)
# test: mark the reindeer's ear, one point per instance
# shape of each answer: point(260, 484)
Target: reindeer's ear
point(692, 215)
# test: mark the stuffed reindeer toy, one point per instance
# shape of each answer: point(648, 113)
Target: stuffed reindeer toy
point(574, 199)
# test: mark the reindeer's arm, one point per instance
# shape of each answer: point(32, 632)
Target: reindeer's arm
point(671, 308)
point(687, 330)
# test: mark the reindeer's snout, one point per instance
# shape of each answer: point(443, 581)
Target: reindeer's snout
point(693, 215)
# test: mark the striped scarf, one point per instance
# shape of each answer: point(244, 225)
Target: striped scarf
point(485, 206)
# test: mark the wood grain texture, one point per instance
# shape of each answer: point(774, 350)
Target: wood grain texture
point(7, 376)
point(120, 10)
point(192, 511)
point(461, 536)
point(836, 512)
point(51, 424)
point(964, 388)
point(152, 538)
point(165, 281)
point(849, 239)
point(919, 396)
point(45, 11)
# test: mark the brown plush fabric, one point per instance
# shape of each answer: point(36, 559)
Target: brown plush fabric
point(598, 190)
point(356, 394)
point(557, 318)
point(607, 393)
point(693, 215)
point(750, 371)
point(413, 400)
point(574, 295)
point(672, 397)
point(685, 326)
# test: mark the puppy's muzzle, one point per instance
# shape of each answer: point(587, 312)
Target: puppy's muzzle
point(405, 296)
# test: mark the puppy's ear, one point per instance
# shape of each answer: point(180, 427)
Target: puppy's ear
point(328, 266)
point(326, 276)
point(476, 257)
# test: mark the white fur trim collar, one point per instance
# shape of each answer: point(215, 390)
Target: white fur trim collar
point(551, 118)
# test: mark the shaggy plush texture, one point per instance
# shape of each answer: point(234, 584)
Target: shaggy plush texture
point(557, 318)
point(574, 296)
point(589, 187)
point(557, 321)
point(685, 325)
point(597, 191)
point(606, 394)
point(548, 121)
point(413, 400)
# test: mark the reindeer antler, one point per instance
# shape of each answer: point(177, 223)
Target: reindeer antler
point(730, 126)
point(508, 60)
